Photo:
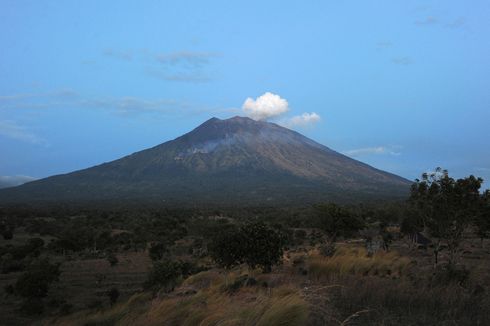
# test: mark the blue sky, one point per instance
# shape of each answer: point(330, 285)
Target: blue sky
point(401, 85)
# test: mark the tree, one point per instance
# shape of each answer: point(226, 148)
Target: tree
point(482, 220)
point(262, 246)
point(113, 295)
point(156, 251)
point(227, 248)
point(164, 273)
point(35, 282)
point(446, 206)
point(112, 259)
point(254, 244)
point(337, 221)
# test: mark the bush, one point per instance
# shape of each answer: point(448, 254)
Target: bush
point(95, 304)
point(34, 283)
point(66, 309)
point(262, 246)
point(299, 236)
point(164, 274)
point(451, 274)
point(113, 295)
point(11, 266)
point(32, 306)
point(255, 244)
point(8, 234)
point(226, 248)
point(9, 289)
point(112, 259)
point(156, 251)
point(328, 250)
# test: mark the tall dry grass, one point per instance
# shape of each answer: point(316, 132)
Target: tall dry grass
point(212, 304)
point(354, 260)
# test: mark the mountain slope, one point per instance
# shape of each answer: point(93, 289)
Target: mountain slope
point(233, 161)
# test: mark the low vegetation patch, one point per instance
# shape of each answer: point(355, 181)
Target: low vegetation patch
point(354, 260)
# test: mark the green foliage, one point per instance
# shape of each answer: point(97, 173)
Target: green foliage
point(112, 259)
point(447, 206)
point(164, 274)
point(450, 274)
point(113, 295)
point(157, 250)
point(8, 234)
point(32, 306)
point(226, 248)
point(254, 244)
point(66, 309)
point(35, 282)
point(338, 221)
point(9, 289)
point(482, 219)
point(262, 245)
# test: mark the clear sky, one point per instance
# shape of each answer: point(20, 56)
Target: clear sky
point(401, 85)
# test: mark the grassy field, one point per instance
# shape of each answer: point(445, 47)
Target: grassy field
point(395, 287)
point(350, 288)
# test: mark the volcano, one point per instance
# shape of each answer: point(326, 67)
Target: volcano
point(237, 161)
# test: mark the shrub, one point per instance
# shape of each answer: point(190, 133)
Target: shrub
point(113, 295)
point(451, 274)
point(9, 289)
point(156, 251)
point(34, 283)
point(164, 274)
point(8, 234)
point(299, 236)
point(226, 248)
point(112, 259)
point(262, 246)
point(95, 304)
point(32, 306)
point(66, 309)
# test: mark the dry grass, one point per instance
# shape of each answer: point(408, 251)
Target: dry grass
point(353, 260)
point(210, 305)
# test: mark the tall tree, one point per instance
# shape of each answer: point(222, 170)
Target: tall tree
point(446, 206)
point(337, 221)
point(482, 220)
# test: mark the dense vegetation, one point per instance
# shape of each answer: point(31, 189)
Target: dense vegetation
point(355, 264)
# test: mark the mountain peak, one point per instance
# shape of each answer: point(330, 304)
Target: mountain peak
point(235, 160)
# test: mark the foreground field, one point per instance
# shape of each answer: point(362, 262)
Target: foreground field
point(349, 288)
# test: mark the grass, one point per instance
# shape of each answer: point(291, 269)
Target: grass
point(349, 288)
point(349, 260)
point(401, 302)
point(210, 305)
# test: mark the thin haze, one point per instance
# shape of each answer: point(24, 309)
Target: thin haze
point(401, 85)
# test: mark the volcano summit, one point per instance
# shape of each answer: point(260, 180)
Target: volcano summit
point(237, 161)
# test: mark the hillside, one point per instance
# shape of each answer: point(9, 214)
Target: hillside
point(237, 161)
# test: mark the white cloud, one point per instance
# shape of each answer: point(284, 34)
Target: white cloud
point(373, 151)
point(304, 120)
point(12, 130)
point(265, 107)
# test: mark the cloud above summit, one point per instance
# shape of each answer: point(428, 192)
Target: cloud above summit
point(271, 106)
point(265, 107)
